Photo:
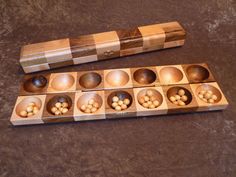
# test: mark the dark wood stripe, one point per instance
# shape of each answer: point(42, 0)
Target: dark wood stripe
point(61, 64)
point(83, 46)
point(174, 36)
point(130, 38)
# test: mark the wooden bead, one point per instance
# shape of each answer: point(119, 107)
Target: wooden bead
point(214, 97)
point(118, 108)
point(149, 93)
point(200, 96)
point(29, 109)
point(177, 97)
point(152, 98)
point(23, 113)
point(205, 100)
point(64, 110)
point(181, 103)
point(141, 100)
point(176, 102)
point(114, 104)
point(149, 102)
point(32, 104)
point(93, 109)
point(65, 105)
point(156, 103)
point(184, 98)
point(209, 92)
point(145, 105)
point(58, 104)
point(207, 95)
point(96, 105)
point(57, 112)
point(35, 111)
point(172, 98)
point(120, 102)
point(146, 98)
point(83, 107)
point(91, 101)
point(202, 92)
point(151, 106)
point(53, 109)
point(115, 99)
point(89, 106)
point(181, 92)
point(123, 106)
point(126, 101)
point(211, 101)
point(87, 110)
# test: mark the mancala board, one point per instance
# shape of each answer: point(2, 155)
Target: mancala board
point(78, 88)
point(100, 46)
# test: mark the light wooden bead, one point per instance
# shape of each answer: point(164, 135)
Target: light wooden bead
point(145, 105)
point(91, 102)
point(211, 101)
point(60, 109)
point(115, 99)
point(205, 100)
point(118, 108)
point(200, 96)
point(96, 105)
point(32, 104)
point(23, 113)
point(214, 97)
point(176, 102)
point(209, 92)
point(83, 107)
point(181, 92)
point(151, 106)
point(152, 98)
point(57, 112)
point(123, 106)
point(35, 111)
point(146, 98)
point(29, 109)
point(181, 103)
point(202, 92)
point(156, 103)
point(114, 104)
point(184, 98)
point(126, 101)
point(30, 114)
point(149, 93)
point(89, 106)
point(93, 109)
point(53, 109)
point(58, 104)
point(177, 97)
point(149, 102)
point(141, 100)
point(65, 105)
point(120, 102)
point(64, 110)
point(87, 110)
point(207, 95)
point(172, 98)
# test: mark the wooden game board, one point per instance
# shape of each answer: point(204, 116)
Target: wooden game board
point(102, 84)
point(101, 46)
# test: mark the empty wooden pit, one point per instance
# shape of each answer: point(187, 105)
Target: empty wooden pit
point(144, 76)
point(90, 80)
point(117, 78)
point(62, 82)
point(197, 73)
point(171, 75)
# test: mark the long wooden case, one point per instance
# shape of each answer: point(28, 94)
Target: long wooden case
point(101, 46)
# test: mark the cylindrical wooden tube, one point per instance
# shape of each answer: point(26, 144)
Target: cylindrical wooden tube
point(100, 46)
